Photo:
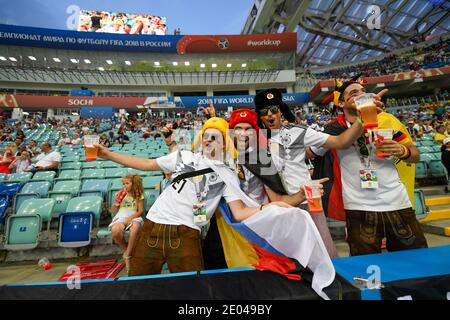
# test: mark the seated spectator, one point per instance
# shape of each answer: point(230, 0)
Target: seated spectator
point(64, 139)
point(32, 148)
point(47, 160)
point(104, 141)
point(122, 138)
point(22, 163)
point(19, 143)
point(440, 135)
point(5, 160)
point(111, 137)
point(445, 157)
point(413, 129)
point(76, 139)
point(146, 134)
point(13, 147)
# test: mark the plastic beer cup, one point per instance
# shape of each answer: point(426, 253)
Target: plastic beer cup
point(313, 196)
point(383, 134)
point(90, 150)
point(367, 108)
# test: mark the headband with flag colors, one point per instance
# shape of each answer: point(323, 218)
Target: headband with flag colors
point(339, 88)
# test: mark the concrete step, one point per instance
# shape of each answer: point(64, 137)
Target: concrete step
point(437, 213)
point(437, 200)
point(434, 191)
point(439, 227)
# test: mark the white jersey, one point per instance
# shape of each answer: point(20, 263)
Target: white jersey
point(175, 205)
point(253, 187)
point(390, 195)
point(287, 148)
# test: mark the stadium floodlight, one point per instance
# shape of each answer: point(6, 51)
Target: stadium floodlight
point(228, 65)
point(214, 65)
point(156, 63)
point(202, 65)
point(3, 58)
point(109, 62)
point(128, 63)
point(87, 61)
point(175, 63)
point(101, 68)
point(187, 63)
point(56, 59)
point(32, 58)
point(12, 59)
point(74, 60)
point(244, 65)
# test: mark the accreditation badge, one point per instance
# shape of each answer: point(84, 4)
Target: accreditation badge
point(368, 178)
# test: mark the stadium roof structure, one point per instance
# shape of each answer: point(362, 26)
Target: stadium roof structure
point(331, 31)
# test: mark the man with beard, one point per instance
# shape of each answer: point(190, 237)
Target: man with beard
point(379, 209)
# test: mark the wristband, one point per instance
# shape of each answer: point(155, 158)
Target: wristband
point(406, 153)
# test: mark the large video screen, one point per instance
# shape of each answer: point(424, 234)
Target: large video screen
point(124, 23)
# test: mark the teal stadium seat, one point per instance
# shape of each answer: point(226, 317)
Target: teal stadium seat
point(427, 157)
point(151, 182)
point(31, 190)
point(62, 192)
point(70, 165)
point(23, 229)
point(111, 164)
point(69, 175)
point(428, 143)
point(421, 170)
point(44, 176)
point(419, 204)
point(93, 174)
point(91, 165)
point(425, 149)
point(96, 187)
point(22, 177)
point(74, 158)
point(111, 173)
point(437, 169)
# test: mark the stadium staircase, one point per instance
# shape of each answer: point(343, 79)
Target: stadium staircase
point(437, 220)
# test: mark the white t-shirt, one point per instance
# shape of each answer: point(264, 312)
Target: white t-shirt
point(45, 160)
point(76, 141)
point(390, 195)
point(287, 148)
point(175, 205)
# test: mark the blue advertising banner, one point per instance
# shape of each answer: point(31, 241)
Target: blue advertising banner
point(291, 99)
point(51, 38)
point(97, 112)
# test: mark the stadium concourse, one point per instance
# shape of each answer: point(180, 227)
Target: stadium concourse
point(67, 215)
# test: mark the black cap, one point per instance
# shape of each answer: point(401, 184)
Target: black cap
point(272, 97)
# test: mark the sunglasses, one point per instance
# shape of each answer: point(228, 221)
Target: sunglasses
point(362, 146)
point(272, 109)
point(212, 136)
